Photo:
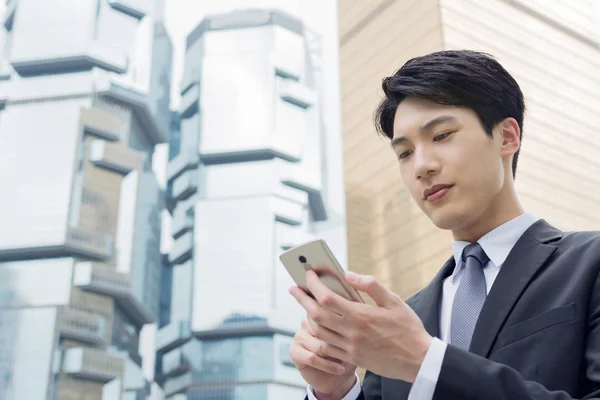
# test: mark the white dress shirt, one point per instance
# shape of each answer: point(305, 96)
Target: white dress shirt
point(496, 244)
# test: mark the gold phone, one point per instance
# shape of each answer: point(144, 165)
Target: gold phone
point(317, 256)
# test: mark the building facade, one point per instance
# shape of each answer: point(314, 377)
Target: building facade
point(251, 178)
point(552, 50)
point(80, 264)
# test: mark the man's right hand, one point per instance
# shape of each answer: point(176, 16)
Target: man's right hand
point(331, 379)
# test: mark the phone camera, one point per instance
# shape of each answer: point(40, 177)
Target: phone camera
point(302, 259)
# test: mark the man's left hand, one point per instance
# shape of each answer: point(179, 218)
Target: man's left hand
point(388, 339)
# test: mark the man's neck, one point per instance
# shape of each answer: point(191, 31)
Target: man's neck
point(505, 208)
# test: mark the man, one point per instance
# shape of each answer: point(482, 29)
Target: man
point(514, 314)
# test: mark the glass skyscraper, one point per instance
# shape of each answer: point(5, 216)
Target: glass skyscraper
point(254, 175)
point(84, 94)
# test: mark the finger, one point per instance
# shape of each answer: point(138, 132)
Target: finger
point(324, 334)
point(371, 286)
point(313, 344)
point(326, 297)
point(333, 352)
point(305, 358)
point(317, 313)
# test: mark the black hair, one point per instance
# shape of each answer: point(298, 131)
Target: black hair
point(462, 78)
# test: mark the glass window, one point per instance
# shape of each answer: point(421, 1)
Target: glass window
point(126, 336)
point(236, 359)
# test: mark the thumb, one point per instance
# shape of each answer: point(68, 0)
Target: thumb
point(372, 287)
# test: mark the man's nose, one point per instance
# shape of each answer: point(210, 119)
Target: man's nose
point(426, 164)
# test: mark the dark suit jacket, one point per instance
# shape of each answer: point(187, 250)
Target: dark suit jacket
point(538, 334)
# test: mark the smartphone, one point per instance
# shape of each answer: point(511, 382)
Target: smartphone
point(317, 256)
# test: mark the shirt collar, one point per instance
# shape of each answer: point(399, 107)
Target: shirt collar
point(498, 242)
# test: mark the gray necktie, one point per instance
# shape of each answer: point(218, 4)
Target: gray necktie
point(470, 296)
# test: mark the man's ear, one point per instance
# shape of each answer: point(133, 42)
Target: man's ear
point(510, 135)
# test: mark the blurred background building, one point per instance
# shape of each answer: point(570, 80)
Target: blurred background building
point(91, 282)
point(552, 50)
point(83, 106)
point(248, 177)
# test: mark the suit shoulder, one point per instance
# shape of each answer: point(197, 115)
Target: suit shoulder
point(581, 239)
point(584, 246)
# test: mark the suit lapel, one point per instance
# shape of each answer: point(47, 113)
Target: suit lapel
point(427, 304)
point(527, 256)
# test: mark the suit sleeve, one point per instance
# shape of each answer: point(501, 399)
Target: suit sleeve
point(371, 388)
point(465, 375)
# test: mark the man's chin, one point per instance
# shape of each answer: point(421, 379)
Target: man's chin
point(446, 218)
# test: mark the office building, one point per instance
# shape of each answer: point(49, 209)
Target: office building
point(82, 109)
point(255, 173)
point(552, 50)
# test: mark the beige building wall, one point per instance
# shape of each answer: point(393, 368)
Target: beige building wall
point(551, 47)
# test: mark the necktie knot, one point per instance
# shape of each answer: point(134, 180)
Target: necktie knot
point(476, 251)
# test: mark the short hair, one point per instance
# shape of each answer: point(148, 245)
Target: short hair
point(462, 78)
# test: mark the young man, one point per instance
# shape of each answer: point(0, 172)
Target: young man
point(514, 314)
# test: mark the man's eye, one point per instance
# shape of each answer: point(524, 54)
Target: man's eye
point(404, 155)
point(442, 136)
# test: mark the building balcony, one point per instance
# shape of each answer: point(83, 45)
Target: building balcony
point(92, 364)
point(81, 325)
point(288, 212)
point(178, 384)
point(134, 381)
point(183, 222)
point(65, 242)
point(174, 363)
point(180, 396)
point(183, 249)
point(184, 161)
point(115, 157)
point(185, 185)
point(102, 123)
point(173, 335)
point(105, 279)
point(190, 100)
point(297, 94)
point(133, 8)
point(87, 55)
point(293, 176)
point(9, 14)
point(117, 88)
point(89, 243)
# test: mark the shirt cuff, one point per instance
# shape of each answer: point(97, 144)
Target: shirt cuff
point(352, 394)
point(427, 377)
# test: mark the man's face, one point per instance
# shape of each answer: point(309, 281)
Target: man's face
point(453, 169)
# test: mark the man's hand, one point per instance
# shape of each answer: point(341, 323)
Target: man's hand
point(330, 378)
point(388, 339)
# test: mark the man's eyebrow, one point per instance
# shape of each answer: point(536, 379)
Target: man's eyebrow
point(442, 119)
point(428, 126)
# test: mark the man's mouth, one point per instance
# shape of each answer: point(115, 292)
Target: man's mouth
point(436, 192)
